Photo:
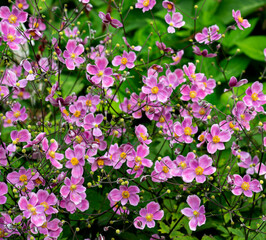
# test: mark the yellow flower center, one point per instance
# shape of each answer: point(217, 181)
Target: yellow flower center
point(169, 6)
point(162, 119)
point(176, 59)
point(79, 139)
point(35, 25)
point(12, 19)
point(52, 154)
point(88, 103)
point(240, 19)
point(137, 159)
point(146, 3)
point(254, 97)
point(245, 186)
point(74, 161)
point(188, 131)
point(192, 94)
point(155, 90)
point(99, 74)
point(20, 94)
point(38, 181)
point(124, 61)
point(136, 168)
point(149, 217)
point(16, 114)
point(193, 76)
point(202, 111)
point(32, 33)
point(100, 162)
point(182, 164)
point(199, 170)
point(123, 155)
point(46, 205)
point(128, 106)
point(144, 137)
point(2, 233)
point(9, 121)
point(44, 225)
point(11, 37)
point(216, 139)
point(15, 141)
point(23, 178)
point(73, 187)
point(165, 169)
point(201, 137)
point(125, 194)
point(73, 55)
point(195, 213)
point(77, 114)
point(20, 5)
point(66, 112)
point(231, 125)
point(242, 116)
point(171, 24)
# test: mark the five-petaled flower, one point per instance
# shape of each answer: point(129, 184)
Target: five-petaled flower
point(239, 20)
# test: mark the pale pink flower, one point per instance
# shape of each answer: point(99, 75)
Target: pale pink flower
point(22, 4)
point(208, 35)
point(182, 162)
point(177, 58)
point(17, 137)
point(142, 134)
point(107, 19)
point(176, 21)
point(15, 17)
point(91, 122)
point(3, 191)
point(239, 20)
point(170, 6)
point(126, 60)
point(146, 5)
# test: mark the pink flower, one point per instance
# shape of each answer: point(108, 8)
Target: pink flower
point(51, 153)
point(255, 97)
point(48, 201)
point(195, 78)
point(22, 4)
point(16, 137)
point(78, 111)
point(174, 22)
point(127, 60)
point(91, 122)
point(101, 72)
point(200, 112)
point(202, 138)
point(185, 130)
point(142, 134)
point(146, 5)
point(163, 47)
point(249, 164)
point(245, 185)
point(195, 213)
point(147, 216)
point(99, 162)
point(134, 48)
point(261, 168)
point(20, 178)
point(217, 138)
point(169, 6)
point(37, 140)
point(37, 24)
point(76, 160)
point(90, 102)
point(125, 194)
point(71, 54)
point(15, 17)
point(3, 92)
point(3, 191)
point(178, 57)
point(125, 152)
point(31, 209)
point(3, 155)
point(234, 83)
point(239, 20)
point(203, 53)
point(198, 169)
point(106, 18)
point(208, 35)
point(173, 79)
point(182, 162)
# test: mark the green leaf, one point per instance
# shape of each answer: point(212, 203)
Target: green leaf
point(163, 227)
point(205, 237)
point(236, 232)
point(253, 47)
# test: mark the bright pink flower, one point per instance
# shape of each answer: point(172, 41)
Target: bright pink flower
point(76, 160)
point(33, 34)
point(234, 83)
point(16, 137)
point(208, 35)
point(3, 155)
point(255, 97)
point(174, 22)
point(116, 208)
point(72, 207)
point(185, 130)
point(146, 5)
point(249, 164)
point(170, 6)
point(48, 201)
point(125, 194)
point(106, 18)
point(239, 20)
point(245, 185)
point(99, 162)
point(90, 101)
point(22, 4)
point(8, 228)
point(156, 91)
point(163, 47)
point(3, 191)
point(31, 209)
point(262, 168)
point(195, 78)
point(124, 153)
point(11, 36)
point(202, 138)
point(20, 93)
point(182, 162)
point(78, 111)
point(37, 140)
point(91, 122)
point(177, 58)
point(3, 92)
point(126, 60)
point(20, 178)
point(173, 79)
point(51, 153)
point(15, 17)
point(198, 169)
point(147, 216)
point(71, 54)
point(142, 134)
point(217, 138)
point(74, 189)
point(203, 53)
point(200, 112)
point(37, 24)
point(195, 213)
point(102, 73)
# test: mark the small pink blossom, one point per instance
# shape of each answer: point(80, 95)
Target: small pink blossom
point(239, 20)
point(22, 4)
point(126, 60)
point(91, 122)
point(174, 22)
point(17, 137)
point(208, 35)
point(142, 134)
point(146, 5)
point(182, 162)
point(177, 58)
point(15, 17)
point(48, 201)
point(203, 53)
point(3, 191)
point(170, 6)
point(107, 19)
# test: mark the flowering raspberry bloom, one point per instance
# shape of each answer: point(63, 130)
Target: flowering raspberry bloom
point(91, 122)
point(174, 22)
point(11, 36)
point(185, 130)
point(156, 91)
point(177, 58)
point(169, 6)
point(255, 97)
point(22, 4)
point(198, 169)
point(3, 191)
point(74, 189)
point(146, 5)
point(208, 35)
point(71, 54)
point(107, 19)
point(195, 213)
point(216, 139)
point(182, 162)
point(147, 216)
point(249, 164)
point(16, 137)
point(142, 134)
point(31, 209)
point(15, 17)
point(37, 24)
point(203, 53)
point(51, 153)
point(76, 160)
point(48, 201)
point(101, 72)
point(239, 20)
point(126, 60)
point(245, 185)
point(125, 194)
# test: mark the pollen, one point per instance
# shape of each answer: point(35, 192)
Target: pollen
point(240, 19)
point(245, 186)
point(199, 170)
point(231, 125)
point(254, 97)
point(155, 90)
point(100, 162)
point(77, 114)
point(52, 154)
point(66, 112)
point(192, 94)
point(12, 19)
point(123, 155)
point(149, 217)
point(137, 159)
point(125, 194)
point(202, 111)
point(165, 169)
point(162, 119)
point(35, 25)
point(193, 76)
point(195, 213)
point(11, 37)
point(143, 136)
point(124, 61)
point(146, 3)
point(169, 6)
point(188, 131)
point(242, 116)
point(74, 161)
point(176, 59)
point(73, 187)
point(182, 164)
point(216, 139)
point(99, 74)
point(46, 205)
point(171, 24)
point(88, 103)
point(73, 55)
point(201, 137)
point(78, 139)
point(20, 5)
point(23, 178)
